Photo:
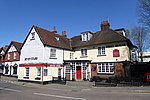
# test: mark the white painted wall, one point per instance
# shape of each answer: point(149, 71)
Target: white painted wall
point(32, 49)
point(2, 52)
point(35, 48)
point(59, 56)
point(146, 57)
point(12, 48)
point(11, 64)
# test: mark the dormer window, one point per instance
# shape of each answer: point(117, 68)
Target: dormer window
point(33, 36)
point(57, 38)
point(86, 36)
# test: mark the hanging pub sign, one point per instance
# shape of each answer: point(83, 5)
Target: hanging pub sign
point(116, 53)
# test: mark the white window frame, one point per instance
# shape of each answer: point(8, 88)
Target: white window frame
point(15, 56)
point(59, 71)
point(45, 73)
point(67, 68)
point(52, 53)
point(8, 55)
point(71, 55)
point(83, 52)
point(102, 50)
point(27, 69)
point(102, 68)
point(38, 71)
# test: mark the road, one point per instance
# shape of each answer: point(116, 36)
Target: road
point(9, 91)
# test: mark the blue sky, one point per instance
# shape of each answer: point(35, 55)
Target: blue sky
point(72, 16)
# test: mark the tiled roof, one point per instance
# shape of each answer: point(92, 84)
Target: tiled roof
point(52, 38)
point(4, 48)
point(100, 37)
point(17, 45)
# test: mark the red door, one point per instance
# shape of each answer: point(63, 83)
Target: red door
point(78, 73)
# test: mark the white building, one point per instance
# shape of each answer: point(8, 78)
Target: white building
point(42, 55)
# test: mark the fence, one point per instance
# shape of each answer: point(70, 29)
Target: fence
point(139, 76)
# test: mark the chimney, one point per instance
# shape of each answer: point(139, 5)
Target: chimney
point(105, 26)
point(64, 33)
point(55, 31)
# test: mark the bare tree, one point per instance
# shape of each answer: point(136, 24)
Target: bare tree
point(143, 10)
point(139, 36)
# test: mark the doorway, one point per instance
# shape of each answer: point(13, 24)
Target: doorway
point(78, 72)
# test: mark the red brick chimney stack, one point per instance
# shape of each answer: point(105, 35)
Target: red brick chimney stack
point(64, 33)
point(105, 26)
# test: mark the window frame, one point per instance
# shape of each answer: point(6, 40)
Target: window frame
point(32, 36)
point(102, 68)
point(53, 53)
point(45, 73)
point(101, 50)
point(15, 56)
point(8, 56)
point(83, 52)
point(27, 72)
point(68, 68)
point(71, 55)
point(38, 71)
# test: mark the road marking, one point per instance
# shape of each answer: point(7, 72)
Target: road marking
point(7, 89)
point(59, 96)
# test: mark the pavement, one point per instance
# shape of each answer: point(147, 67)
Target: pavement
point(76, 86)
point(69, 84)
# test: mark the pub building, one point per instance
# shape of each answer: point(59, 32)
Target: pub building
point(106, 53)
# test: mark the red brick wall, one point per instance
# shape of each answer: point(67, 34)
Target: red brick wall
point(119, 70)
point(12, 57)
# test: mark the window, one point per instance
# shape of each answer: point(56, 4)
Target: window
point(27, 72)
point(6, 70)
point(105, 68)
point(134, 55)
point(38, 71)
point(84, 37)
point(84, 67)
point(15, 68)
point(71, 55)
point(83, 52)
point(101, 50)
point(68, 68)
point(45, 72)
point(14, 55)
point(52, 53)
point(8, 55)
point(33, 36)
point(73, 67)
point(59, 71)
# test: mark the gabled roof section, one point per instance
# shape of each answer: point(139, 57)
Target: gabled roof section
point(100, 37)
point(52, 39)
point(4, 48)
point(16, 44)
